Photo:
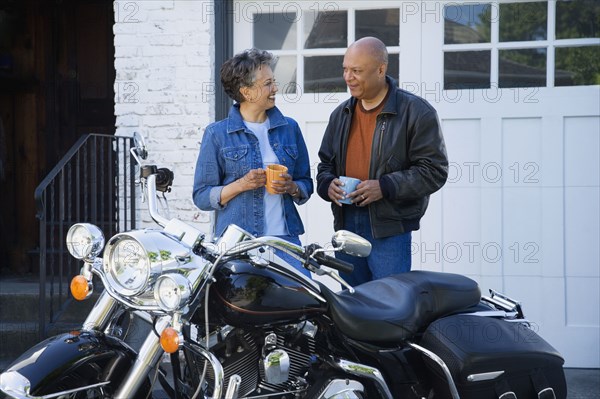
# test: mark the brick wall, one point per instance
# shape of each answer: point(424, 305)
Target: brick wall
point(164, 62)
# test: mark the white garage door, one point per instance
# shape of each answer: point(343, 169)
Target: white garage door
point(516, 88)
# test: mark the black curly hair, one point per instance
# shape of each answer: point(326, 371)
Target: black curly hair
point(239, 71)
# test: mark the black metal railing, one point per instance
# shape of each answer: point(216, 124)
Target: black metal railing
point(93, 183)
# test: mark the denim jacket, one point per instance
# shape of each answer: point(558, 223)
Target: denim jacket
point(229, 150)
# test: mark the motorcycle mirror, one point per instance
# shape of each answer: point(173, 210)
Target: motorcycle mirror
point(139, 148)
point(351, 244)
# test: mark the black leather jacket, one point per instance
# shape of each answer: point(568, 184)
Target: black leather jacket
point(408, 158)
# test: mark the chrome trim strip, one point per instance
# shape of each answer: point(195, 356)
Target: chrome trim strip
point(364, 371)
point(492, 313)
point(484, 376)
point(525, 322)
point(55, 395)
point(233, 387)
point(542, 393)
point(440, 362)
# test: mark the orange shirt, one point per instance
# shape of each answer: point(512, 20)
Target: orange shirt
point(360, 142)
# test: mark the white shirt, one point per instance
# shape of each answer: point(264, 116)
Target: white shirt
point(274, 214)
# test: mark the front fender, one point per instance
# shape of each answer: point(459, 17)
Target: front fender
point(68, 361)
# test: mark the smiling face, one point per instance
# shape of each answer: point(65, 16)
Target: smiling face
point(364, 73)
point(262, 92)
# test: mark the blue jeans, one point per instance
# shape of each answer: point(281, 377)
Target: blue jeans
point(390, 255)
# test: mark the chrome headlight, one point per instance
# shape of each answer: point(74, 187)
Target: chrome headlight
point(134, 260)
point(127, 265)
point(172, 291)
point(85, 241)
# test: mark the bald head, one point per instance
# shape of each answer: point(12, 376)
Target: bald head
point(365, 66)
point(372, 47)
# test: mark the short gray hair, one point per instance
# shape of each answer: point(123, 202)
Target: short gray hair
point(240, 70)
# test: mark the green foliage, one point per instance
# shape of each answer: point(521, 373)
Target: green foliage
point(581, 63)
point(523, 21)
point(577, 19)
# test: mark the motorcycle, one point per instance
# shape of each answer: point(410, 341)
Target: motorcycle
point(228, 318)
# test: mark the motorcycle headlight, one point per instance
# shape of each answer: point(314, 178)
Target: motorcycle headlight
point(133, 261)
point(172, 291)
point(127, 265)
point(85, 241)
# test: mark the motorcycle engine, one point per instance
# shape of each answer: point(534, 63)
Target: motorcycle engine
point(269, 361)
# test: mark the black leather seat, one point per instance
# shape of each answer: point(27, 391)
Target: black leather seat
point(394, 308)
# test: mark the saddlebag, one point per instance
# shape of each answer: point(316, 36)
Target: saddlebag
point(493, 358)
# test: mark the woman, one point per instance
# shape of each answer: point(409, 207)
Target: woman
point(230, 172)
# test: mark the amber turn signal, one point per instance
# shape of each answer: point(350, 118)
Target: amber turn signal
point(169, 340)
point(80, 287)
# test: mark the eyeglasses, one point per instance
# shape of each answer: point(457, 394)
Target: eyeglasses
point(267, 83)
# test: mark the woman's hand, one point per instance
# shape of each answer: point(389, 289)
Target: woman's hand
point(285, 185)
point(254, 179)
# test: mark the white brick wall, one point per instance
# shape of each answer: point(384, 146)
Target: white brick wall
point(164, 61)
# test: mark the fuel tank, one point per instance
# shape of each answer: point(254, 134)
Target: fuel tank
point(245, 295)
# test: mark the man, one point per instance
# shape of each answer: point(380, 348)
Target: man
point(392, 141)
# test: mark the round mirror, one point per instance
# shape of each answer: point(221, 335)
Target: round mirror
point(351, 243)
point(139, 146)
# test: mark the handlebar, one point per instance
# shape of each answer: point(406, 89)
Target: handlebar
point(152, 202)
point(334, 263)
point(164, 180)
point(164, 177)
point(156, 180)
point(313, 255)
point(161, 180)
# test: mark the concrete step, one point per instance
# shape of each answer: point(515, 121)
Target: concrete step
point(19, 301)
point(19, 315)
point(17, 337)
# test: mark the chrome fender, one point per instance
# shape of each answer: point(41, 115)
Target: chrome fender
point(67, 362)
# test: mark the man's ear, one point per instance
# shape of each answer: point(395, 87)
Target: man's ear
point(382, 69)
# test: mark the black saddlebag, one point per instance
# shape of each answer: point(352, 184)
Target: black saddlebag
point(492, 358)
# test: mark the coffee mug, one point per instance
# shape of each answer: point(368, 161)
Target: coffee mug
point(349, 186)
point(274, 172)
